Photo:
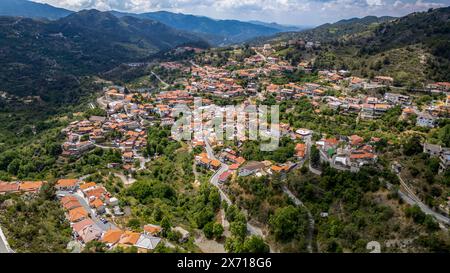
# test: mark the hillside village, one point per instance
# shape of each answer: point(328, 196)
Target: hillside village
point(130, 112)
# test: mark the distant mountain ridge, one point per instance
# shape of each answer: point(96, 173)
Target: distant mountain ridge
point(25, 8)
point(216, 32)
point(332, 31)
point(283, 28)
point(412, 49)
point(38, 56)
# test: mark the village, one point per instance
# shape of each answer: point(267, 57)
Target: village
point(130, 112)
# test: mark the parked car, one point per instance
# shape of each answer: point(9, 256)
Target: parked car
point(103, 220)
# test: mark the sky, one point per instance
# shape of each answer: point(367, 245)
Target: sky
point(290, 12)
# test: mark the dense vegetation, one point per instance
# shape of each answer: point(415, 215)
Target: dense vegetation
point(46, 58)
point(35, 225)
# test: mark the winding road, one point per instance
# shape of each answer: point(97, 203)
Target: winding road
point(411, 198)
point(311, 222)
point(253, 230)
point(299, 203)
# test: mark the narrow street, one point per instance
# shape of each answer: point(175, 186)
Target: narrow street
point(311, 222)
point(83, 202)
point(253, 230)
point(412, 199)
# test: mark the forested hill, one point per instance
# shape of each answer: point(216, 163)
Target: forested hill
point(217, 32)
point(412, 49)
point(333, 31)
point(44, 58)
point(428, 31)
point(416, 46)
point(25, 8)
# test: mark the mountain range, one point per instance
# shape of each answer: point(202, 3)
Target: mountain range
point(31, 9)
point(43, 57)
point(411, 49)
point(216, 32)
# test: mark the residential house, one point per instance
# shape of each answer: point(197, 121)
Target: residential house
point(397, 98)
point(78, 214)
point(98, 205)
point(425, 120)
point(251, 168)
point(356, 140)
point(112, 237)
point(444, 161)
point(147, 242)
point(87, 186)
point(224, 177)
point(70, 202)
point(152, 230)
point(384, 80)
point(9, 187)
point(184, 234)
point(30, 186)
point(300, 150)
point(362, 158)
point(81, 225)
point(215, 164)
point(90, 233)
point(432, 149)
point(129, 238)
point(67, 184)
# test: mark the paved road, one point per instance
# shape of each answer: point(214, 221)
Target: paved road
point(412, 199)
point(83, 202)
point(299, 203)
point(126, 180)
point(4, 247)
point(163, 82)
point(311, 222)
point(253, 230)
point(261, 55)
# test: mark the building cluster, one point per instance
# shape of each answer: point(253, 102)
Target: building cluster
point(123, 128)
point(22, 187)
point(347, 153)
point(144, 241)
point(85, 202)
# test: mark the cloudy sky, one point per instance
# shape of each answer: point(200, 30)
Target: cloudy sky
point(295, 12)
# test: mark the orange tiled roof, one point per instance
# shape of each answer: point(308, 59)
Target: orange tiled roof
point(276, 168)
point(97, 192)
point(87, 185)
point(331, 141)
point(96, 203)
point(129, 238)
point(112, 236)
point(8, 187)
point(215, 163)
point(362, 155)
point(71, 203)
point(30, 185)
point(77, 227)
point(205, 160)
point(240, 160)
point(77, 214)
point(300, 146)
point(152, 229)
point(67, 182)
